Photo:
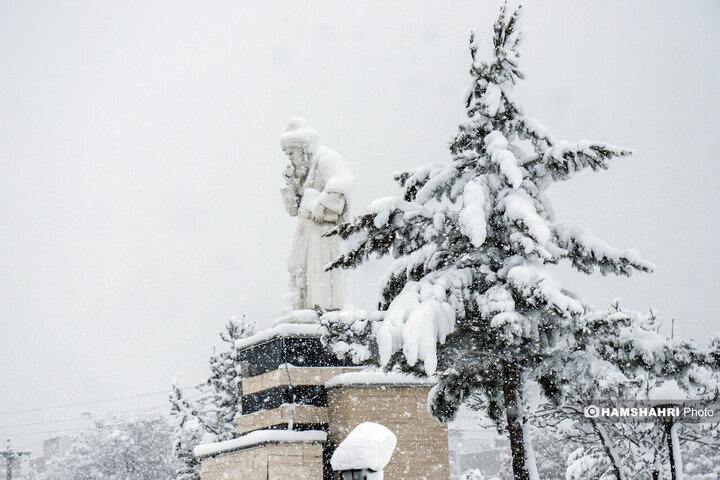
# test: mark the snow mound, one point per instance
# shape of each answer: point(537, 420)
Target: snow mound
point(369, 446)
point(376, 378)
point(283, 330)
point(297, 316)
point(257, 437)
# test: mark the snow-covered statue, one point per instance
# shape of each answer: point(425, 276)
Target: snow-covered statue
point(318, 182)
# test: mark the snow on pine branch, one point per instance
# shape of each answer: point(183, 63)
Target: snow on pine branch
point(490, 96)
point(513, 328)
point(393, 227)
point(564, 159)
point(351, 334)
point(537, 133)
point(408, 268)
point(413, 179)
point(507, 41)
point(497, 306)
point(421, 316)
point(474, 215)
point(633, 343)
point(436, 184)
point(519, 208)
point(539, 288)
point(385, 231)
point(470, 239)
point(493, 301)
point(497, 148)
point(586, 252)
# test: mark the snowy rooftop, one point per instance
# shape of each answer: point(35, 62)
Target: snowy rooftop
point(282, 330)
point(376, 378)
point(369, 445)
point(258, 437)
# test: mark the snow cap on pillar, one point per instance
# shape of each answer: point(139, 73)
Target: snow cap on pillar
point(368, 446)
point(299, 133)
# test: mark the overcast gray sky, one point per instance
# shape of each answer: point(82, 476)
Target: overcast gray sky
point(140, 164)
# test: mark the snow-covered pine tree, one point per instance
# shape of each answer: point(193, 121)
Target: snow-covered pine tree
point(616, 353)
point(469, 299)
point(212, 416)
point(189, 430)
point(225, 376)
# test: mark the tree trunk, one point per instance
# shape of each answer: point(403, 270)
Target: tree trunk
point(674, 454)
point(609, 449)
point(511, 390)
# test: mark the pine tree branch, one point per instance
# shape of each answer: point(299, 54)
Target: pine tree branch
point(586, 252)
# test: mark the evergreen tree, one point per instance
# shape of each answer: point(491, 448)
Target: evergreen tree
point(469, 298)
point(225, 376)
point(619, 354)
point(212, 416)
point(189, 430)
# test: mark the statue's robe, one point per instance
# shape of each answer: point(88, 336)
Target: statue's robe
point(325, 195)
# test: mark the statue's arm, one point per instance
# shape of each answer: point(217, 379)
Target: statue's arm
point(327, 207)
point(337, 180)
point(335, 202)
point(290, 199)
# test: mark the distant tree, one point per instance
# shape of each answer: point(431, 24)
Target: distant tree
point(619, 354)
point(702, 459)
point(551, 455)
point(118, 448)
point(477, 475)
point(189, 430)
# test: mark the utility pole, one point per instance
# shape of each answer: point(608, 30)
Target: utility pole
point(10, 457)
point(672, 329)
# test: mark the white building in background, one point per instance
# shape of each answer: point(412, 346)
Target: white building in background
point(473, 447)
point(52, 448)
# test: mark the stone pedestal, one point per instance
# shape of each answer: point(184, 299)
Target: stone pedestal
point(295, 391)
point(265, 455)
point(400, 404)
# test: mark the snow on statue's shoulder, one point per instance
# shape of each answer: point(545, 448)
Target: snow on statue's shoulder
point(369, 446)
point(339, 178)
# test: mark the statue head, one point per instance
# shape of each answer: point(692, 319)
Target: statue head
point(298, 160)
point(299, 142)
point(299, 134)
